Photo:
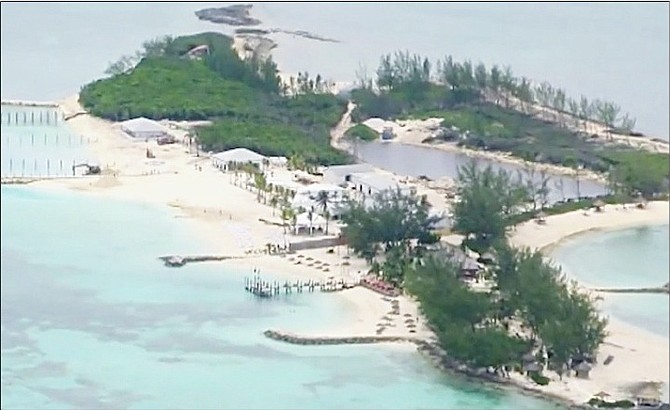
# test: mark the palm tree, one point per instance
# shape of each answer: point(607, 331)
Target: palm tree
point(310, 216)
point(261, 184)
point(274, 201)
point(287, 214)
point(323, 199)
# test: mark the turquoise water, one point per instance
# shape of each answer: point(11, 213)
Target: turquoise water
point(628, 258)
point(31, 146)
point(91, 319)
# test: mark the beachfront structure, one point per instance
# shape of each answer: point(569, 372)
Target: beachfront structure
point(309, 222)
point(232, 158)
point(144, 129)
point(306, 198)
point(648, 396)
point(371, 183)
point(341, 174)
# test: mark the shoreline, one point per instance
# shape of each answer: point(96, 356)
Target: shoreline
point(173, 187)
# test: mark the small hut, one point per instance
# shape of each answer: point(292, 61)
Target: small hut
point(470, 269)
point(540, 218)
point(583, 370)
point(648, 396)
point(530, 368)
point(599, 204)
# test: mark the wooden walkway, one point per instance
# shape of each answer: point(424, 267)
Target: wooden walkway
point(266, 289)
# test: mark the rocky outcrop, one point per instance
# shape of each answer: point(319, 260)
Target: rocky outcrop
point(175, 261)
point(235, 15)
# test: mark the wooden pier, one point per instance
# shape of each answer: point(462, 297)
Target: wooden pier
point(266, 289)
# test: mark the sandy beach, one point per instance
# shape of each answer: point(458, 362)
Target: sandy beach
point(227, 218)
point(639, 355)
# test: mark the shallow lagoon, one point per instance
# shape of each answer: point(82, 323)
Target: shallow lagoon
point(635, 257)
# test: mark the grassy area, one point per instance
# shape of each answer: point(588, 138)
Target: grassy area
point(241, 98)
point(362, 132)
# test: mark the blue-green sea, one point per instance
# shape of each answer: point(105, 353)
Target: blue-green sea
point(91, 319)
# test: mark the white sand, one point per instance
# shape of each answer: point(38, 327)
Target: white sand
point(228, 218)
point(638, 354)
point(613, 217)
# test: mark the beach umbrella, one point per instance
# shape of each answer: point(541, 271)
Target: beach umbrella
point(541, 215)
point(407, 314)
point(599, 203)
point(601, 395)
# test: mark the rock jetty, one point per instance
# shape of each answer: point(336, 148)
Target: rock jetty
point(305, 340)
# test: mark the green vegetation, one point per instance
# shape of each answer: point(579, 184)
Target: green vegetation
point(245, 100)
point(390, 225)
point(161, 88)
point(362, 132)
point(473, 326)
point(539, 379)
point(490, 109)
point(619, 404)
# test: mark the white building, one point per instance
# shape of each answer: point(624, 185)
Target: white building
point(238, 156)
point(143, 129)
point(340, 174)
point(371, 183)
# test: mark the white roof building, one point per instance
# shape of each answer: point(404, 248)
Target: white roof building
point(143, 128)
point(370, 183)
point(340, 174)
point(224, 159)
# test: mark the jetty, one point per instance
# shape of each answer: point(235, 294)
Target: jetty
point(175, 261)
point(266, 289)
point(306, 340)
point(660, 289)
point(17, 180)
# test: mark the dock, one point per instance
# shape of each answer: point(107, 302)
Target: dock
point(266, 289)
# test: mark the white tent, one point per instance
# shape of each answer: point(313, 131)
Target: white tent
point(143, 128)
point(302, 222)
point(224, 159)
